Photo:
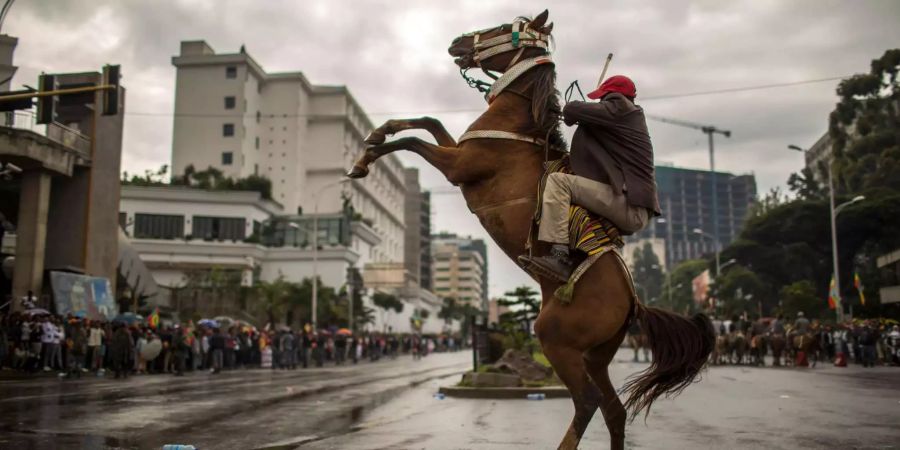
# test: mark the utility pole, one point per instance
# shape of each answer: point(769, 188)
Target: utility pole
point(833, 213)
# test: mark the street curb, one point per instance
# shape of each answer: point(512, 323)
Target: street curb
point(504, 393)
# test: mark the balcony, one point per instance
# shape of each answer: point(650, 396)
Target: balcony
point(54, 147)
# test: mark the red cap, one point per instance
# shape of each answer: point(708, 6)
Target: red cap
point(616, 83)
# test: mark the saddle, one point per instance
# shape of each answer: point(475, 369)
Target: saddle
point(590, 233)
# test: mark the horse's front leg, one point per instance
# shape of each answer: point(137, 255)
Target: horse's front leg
point(429, 124)
point(442, 158)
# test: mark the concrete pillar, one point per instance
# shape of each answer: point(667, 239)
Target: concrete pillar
point(31, 235)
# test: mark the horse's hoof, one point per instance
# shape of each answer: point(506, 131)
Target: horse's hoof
point(358, 172)
point(375, 138)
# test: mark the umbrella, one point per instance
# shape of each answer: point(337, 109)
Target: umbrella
point(37, 312)
point(225, 321)
point(209, 323)
point(128, 318)
point(151, 349)
point(345, 332)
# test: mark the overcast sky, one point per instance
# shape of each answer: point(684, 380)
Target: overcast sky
point(392, 56)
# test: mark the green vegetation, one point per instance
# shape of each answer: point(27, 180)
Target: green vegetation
point(784, 251)
point(210, 179)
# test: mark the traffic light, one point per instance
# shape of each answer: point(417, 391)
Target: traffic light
point(110, 97)
point(46, 106)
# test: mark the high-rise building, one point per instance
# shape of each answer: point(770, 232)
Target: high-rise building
point(685, 197)
point(460, 269)
point(232, 115)
point(818, 157)
point(417, 219)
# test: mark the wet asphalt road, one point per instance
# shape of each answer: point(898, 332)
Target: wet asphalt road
point(390, 405)
point(731, 408)
point(241, 409)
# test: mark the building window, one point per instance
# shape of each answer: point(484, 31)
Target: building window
point(228, 130)
point(258, 116)
point(219, 228)
point(229, 102)
point(256, 169)
point(231, 72)
point(257, 143)
point(227, 158)
point(123, 221)
point(158, 226)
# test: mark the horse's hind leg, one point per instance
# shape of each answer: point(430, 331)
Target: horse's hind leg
point(569, 365)
point(597, 361)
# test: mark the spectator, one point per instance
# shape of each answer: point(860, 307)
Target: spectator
point(217, 347)
point(77, 349)
point(121, 351)
point(180, 350)
point(95, 347)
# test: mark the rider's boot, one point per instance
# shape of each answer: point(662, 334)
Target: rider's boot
point(557, 264)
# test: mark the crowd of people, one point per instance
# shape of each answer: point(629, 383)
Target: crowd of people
point(72, 346)
point(868, 342)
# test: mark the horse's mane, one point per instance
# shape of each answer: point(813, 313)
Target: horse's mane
point(545, 107)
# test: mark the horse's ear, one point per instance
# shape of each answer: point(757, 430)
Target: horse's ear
point(538, 22)
point(548, 29)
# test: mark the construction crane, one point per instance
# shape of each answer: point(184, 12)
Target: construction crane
point(709, 130)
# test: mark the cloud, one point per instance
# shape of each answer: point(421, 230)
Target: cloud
point(392, 56)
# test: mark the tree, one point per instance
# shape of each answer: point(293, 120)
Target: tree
point(770, 201)
point(864, 128)
point(801, 296)
point(273, 297)
point(805, 186)
point(210, 179)
point(681, 279)
point(150, 178)
point(739, 290)
point(647, 272)
point(524, 304)
point(387, 303)
point(450, 311)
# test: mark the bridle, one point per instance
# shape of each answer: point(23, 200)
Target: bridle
point(518, 39)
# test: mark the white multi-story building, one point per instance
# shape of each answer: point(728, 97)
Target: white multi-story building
point(232, 115)
point(177, 230)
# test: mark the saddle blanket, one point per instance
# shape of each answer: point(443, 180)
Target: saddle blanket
point(588, 232)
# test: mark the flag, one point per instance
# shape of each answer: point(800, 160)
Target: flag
point(857, 283)
point(153, 320)
point(834, 297)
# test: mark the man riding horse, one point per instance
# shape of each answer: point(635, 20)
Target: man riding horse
point(499, 164)
point(613, 175)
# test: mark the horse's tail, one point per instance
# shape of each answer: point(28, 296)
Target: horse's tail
point(681, 347)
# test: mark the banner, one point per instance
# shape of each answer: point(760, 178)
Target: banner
point(82, 296)
point(857, 283)
point(834, 297)
point(700, 285)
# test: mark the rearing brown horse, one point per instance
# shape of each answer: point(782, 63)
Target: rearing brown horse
point(498, 164)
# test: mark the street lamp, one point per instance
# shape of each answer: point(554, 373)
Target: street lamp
point(834, 246)
point(315, 245)
point(715, 242)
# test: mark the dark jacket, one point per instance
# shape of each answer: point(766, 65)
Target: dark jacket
point(121, 347)
point(217, 342)
point(612, 146)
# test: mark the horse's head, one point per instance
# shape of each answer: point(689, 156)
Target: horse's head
point(498, 48)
